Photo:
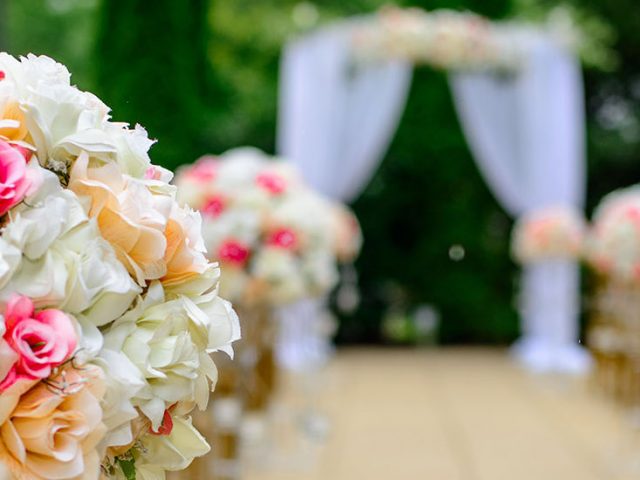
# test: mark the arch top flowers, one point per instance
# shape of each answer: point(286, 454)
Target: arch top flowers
point(462, 40)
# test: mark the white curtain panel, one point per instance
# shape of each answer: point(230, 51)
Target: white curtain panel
point(550, 306)
point(526, 132)
point(337, 116)
point(336, 120)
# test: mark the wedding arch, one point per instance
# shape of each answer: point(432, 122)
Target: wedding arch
point(518, 92)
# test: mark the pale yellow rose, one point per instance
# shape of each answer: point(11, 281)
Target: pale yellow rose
point(12, 122)
point(131, 216)
point(53, 430)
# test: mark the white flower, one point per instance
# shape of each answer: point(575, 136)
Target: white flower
point(63, 121)
point(169, 342)
point(171, 452)
point(123, 381)
point(320, 271)
point(282, 272)
point(132, 146)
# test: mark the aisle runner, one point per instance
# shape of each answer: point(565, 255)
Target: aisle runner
point(459, 414)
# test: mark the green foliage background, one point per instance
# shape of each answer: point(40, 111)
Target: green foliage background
point(201, 75)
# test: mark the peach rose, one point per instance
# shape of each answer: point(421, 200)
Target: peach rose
point(184, 256)
point(41, 340)
point(130, 216)
point(53, 430)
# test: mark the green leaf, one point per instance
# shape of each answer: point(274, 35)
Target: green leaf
point(128, 467)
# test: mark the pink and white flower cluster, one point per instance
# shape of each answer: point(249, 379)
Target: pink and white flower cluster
point(458, 40)
point(108, 306)
point(276, 239)
point(613, 245)
point(444, 39)
point(549, 234)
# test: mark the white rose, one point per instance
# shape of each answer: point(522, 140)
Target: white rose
point(132, 146)
point(123, 381)
point(169, 342)
point(281, 270)
point(171, 452)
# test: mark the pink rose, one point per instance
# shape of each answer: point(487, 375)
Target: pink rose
point(42, 340)
point(205, 169)
point(16, 181)
point(213, 207)
point(234, 252)
point(283, 238)
point(152, 173)
point(271, 182)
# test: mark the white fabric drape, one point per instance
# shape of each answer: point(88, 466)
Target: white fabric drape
point(337, 117)
point(336, 121)
point(526, 132)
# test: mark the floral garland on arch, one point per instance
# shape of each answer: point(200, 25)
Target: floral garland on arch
point(548, 234)
point(108, 306)
point(277, 240)
point(462, 40)
point(613, 244)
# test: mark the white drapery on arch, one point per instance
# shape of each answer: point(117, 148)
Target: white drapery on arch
point(336, 116)
point(328, 123)
point(525, 130)
point(527, 136)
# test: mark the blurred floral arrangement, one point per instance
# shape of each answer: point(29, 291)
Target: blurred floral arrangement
point(449, 39)
point(276, 239)
point(613, 244)
point(109, 306)
point(548, 234)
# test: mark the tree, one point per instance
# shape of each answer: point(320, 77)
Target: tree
point(153, 69)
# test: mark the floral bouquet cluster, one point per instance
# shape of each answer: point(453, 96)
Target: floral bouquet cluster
point(547, 234)
point(109, 307)
point(444, 39)
point(613, 245)
point(275, 238)
point(458, 40)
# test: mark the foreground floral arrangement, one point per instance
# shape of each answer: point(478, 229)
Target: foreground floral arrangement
point(460, 40)
point(548, 234)
point(277, 241)
point(613, 245)
point(109, 306)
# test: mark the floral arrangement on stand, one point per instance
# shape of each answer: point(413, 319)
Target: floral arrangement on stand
point(278, 242)
point(109, 307)
point(613, 246)
point(548, 234)
point(613, 252)
point(462, 40)
point(273, 236)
